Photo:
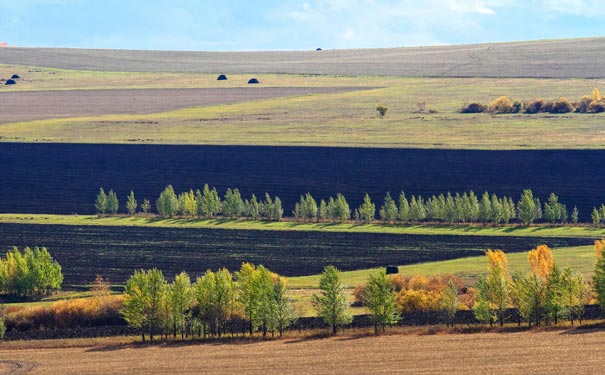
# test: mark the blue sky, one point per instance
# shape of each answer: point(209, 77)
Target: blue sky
point(231, 25)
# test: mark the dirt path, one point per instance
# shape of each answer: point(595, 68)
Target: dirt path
point(505, 353)
point(35, 105)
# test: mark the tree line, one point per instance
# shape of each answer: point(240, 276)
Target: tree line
point(443, 208)
point(29, 272)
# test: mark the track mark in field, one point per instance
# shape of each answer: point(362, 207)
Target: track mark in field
point(8, 367)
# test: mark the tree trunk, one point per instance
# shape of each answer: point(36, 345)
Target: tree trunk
point(334, 329)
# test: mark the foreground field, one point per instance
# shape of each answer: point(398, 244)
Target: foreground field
point(65, 178)
point(115, 252)
point(553, 58)
point(559, 352)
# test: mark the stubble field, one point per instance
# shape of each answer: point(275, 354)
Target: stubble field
point(560, 352)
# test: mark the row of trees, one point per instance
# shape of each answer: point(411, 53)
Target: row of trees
point(256, 294)
point(587, 104)
point(448, 208)
point(29, 272)
point(546, 294)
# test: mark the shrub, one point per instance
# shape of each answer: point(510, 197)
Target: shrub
point(597, 106)
point(358, 295)
point(517, 106)
point(535, 106)
point(501, 105)
point(472, 108)
point(561, 106)
point(382, 110)
point(583, 105)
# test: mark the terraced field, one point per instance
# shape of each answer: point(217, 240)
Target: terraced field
point(115, 252)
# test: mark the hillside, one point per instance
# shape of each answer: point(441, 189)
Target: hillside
point(569, 58)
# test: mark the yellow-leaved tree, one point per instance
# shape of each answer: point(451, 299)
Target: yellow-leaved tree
point(494, 291)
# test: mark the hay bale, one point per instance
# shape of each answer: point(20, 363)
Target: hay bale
point(390, 270)
point(221, 77)
point(318, 49)
point(253, 81)
point(10, 82)
point(15, 76)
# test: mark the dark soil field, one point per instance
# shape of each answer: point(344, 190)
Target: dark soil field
point(569, 58)
point(115, 252)
point(65, 178)
point(36, 105)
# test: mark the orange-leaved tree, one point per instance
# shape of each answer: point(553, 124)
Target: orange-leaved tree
point(494, 291)
point(599, 272)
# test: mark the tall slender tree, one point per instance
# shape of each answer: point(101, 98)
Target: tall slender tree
point(331, 303)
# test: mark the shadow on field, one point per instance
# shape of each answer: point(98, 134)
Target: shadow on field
point(584, 329)
point(183, 343)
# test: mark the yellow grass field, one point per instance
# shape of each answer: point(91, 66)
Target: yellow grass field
point(555, 352)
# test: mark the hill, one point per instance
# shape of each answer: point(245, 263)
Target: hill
point(568, 58)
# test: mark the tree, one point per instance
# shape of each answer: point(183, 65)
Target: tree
point(131, 204)
point(553, 210)
point(449, 302)
point(388, 211)
point(417, 210)
point(215, 293)
point(322, 214)
point(252, 208)
point(485, 208)
point(143, 297)
point(208, 202)
point(146, 206)
point(180, 298)
point(528, 212)
point(306, 209)
point(187, 205)
point(380, 298)
point(404, 208)
point(533, 289)
point(29, 272)
point(167, 203)
point(382, 110)
point(233, 205)
point(272, 208)
point(331, 304)
point(284, 313)
point(575, 214)
point(112, 202)
point(367, 210)
point(248, 291)
point(596, 217)
point(101, 202)
point(599, 273)
point(494, 290)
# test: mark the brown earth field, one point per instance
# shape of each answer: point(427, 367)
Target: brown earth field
point(37, 105)
point(561, 352)
point(567, 58)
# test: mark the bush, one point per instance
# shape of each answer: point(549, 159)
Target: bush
point(501, 105)
point(473, 108)
point(382, 110)
point(535, 106)
point(597, 106)
point(561, 106)
point(583, 105)
point(517, 106)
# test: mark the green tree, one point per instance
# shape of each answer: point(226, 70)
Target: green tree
point(528, 212)
point(485, 208)
point(249, 295)
point(272, 209)
point(599, 274)
point(417, 210)
point(233, 205)
point(252, 208)
point(323, 211)
point(306, 208)
point(146, 206)
point(331, 304)
point(380, 298)
point(404, 208)
point(284, 314)
point(494, 291)
point(215, 294)
point(167, 203)
point(388, 211)
point(208, 202)
point(101, 202)
point(180, 297)
point(575, 215)
point(449, 302)
point(596, 217)
point(131, 204)
point(143, 298)
point(367, 210)
point(112, 202)
point(553, 210)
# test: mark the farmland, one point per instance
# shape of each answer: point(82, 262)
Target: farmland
point(567, 58)
point(64, 178)
point(115, 252)
point(556, 352)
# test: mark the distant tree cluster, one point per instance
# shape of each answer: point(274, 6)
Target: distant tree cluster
point(446, 208)
point(29, 272)
point(502, 105)
point(154, 306)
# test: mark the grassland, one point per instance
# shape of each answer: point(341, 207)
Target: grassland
point(556, 352)
point(579, 258)
point(351, 227)
point(336, 119)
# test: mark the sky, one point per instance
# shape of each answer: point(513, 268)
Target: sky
point(245, 25)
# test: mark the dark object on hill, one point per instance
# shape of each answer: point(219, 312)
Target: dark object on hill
point(15, 76)
point(318, 49)
point(390, 270)
point(10, 82)
point(222, 77)
point(253, 81)
point(473, 108)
